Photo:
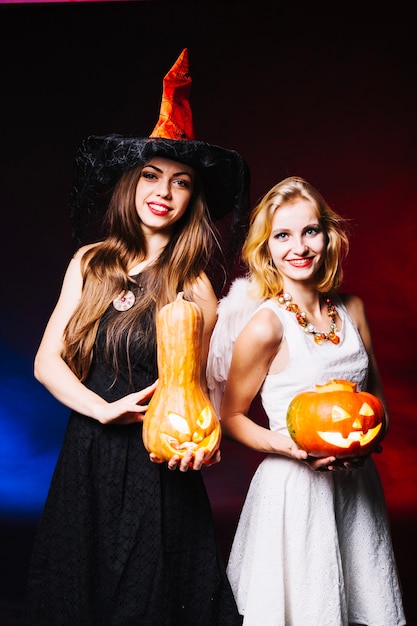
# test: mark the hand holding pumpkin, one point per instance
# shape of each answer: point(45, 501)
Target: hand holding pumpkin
point(125, 410)
point(190, 460)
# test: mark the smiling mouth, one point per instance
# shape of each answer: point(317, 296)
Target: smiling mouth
point(300, 262)
point(158, 209)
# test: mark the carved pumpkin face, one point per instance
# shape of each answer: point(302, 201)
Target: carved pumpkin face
point(336, 420)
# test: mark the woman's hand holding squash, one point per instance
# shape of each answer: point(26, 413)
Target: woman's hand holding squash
point(190, 460)
point(126, 410)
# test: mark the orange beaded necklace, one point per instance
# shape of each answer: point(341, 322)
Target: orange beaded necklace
point(286, 300)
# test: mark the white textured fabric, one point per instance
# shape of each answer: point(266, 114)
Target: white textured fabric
point(310, 548)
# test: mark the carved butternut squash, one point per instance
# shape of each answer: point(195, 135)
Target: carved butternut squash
point(180, 415)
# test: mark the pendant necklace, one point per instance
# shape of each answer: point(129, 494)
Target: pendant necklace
point(124, 301)
point(301, 316)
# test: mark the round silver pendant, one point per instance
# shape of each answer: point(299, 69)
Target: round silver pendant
point(125, 301)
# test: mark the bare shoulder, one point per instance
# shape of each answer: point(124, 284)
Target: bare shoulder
point(203, 292)
point(257, 344)
point(81, 251)
point(202, 286)
point(264, 327)
point(73, 272)
point(352, 302)
point(204, 296)
point(355, 307)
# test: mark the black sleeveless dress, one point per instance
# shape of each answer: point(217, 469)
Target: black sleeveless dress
point(123, 541)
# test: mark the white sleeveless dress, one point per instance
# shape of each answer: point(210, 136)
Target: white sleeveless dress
point(311, 548)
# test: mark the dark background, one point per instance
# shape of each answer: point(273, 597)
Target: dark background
point(323, 90)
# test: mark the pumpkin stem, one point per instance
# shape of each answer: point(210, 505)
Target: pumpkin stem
point(180, 296)
point(336, 385)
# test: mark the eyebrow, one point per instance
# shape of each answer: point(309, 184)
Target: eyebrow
point(288, 230)
point(180, 173)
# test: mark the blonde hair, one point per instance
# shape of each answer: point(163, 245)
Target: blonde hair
point(105, 270)
point(266, 281)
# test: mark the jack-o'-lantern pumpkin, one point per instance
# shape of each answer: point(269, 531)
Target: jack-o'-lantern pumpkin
point(180, 415)
point(336, 420)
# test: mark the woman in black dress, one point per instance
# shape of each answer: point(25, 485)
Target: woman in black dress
point(123, 539)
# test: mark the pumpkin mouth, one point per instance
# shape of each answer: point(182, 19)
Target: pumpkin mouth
point(358, 436)
point(174, 445)
point(186, 439)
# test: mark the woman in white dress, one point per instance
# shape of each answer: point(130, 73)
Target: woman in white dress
point(313, 544)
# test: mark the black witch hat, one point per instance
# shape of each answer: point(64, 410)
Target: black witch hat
point(101, 160)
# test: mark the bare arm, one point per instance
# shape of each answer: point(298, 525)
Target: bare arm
point(52, 371)
point(205, 297)
point(253, 353)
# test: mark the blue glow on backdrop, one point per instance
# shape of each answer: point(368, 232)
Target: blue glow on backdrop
point(32, 425)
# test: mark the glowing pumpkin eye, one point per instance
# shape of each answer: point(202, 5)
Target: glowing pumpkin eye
point(179, 423)
point(366, 410)
point(339, 414)
point(204, 418)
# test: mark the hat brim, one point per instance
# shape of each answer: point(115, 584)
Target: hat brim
point(101, 161)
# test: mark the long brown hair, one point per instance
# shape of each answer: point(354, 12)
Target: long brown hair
point(105, 275)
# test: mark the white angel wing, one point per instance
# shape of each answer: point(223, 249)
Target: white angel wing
point(234, 311)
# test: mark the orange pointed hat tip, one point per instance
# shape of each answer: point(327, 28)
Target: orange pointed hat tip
point(175, 117)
